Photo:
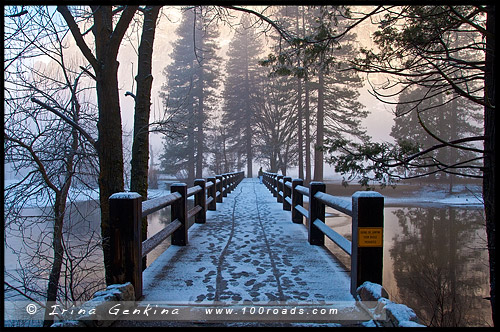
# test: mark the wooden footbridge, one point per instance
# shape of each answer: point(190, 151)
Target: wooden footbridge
point(253, 245)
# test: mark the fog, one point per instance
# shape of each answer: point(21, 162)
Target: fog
point(378, 123)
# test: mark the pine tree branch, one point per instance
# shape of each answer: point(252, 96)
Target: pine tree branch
point(266, 19)
point(450, 144)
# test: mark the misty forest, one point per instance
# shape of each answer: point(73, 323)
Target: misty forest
point(105, 99)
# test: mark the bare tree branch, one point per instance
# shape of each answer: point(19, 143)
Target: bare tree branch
point(75, 31)
point(67, 120)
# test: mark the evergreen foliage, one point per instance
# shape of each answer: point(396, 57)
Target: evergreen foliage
point(190, 94)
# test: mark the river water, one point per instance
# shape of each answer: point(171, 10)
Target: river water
point(435, 258)
point(435, 262)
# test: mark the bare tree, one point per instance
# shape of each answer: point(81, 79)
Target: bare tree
point(107, 39)
point(51, 150)
point(140, 145)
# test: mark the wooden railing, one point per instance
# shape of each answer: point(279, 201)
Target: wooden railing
point(366, 209)
point(126, 211)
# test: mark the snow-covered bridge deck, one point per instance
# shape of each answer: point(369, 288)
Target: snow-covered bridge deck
point(248, 250)
point(248, 253)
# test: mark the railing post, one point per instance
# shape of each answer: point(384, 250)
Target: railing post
point(316, 211)
point(179, 211)
point(232, 181)
point(212, 206)
point(279, 188)
point(200, 198)
point(224, 185)
point(125, 211)
point(367, 238)
point(219, 188)
point(229, 183)
point(275, 185)
point(297, 199)
point(286, 193)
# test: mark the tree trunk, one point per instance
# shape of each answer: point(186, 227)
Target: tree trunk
point(489, 147)
point(307, 115)
point(191, 146)
point(453, 135)
point(249, 117)
point(109, 124)
point(318, 153)
point(109, 146)
point(273, 163)
point(59, 211)
point(299, 113)
point(55, 272)
point(140, 144)
point(199, 135)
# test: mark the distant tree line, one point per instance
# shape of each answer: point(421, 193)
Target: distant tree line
point(266, 116)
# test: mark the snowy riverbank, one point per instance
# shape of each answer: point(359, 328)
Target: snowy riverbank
point(414, 195)
point(438, 194)
point(435, 197)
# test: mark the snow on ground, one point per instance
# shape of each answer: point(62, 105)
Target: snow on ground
point(248, 251)
point(431, 196)
point(435, 195)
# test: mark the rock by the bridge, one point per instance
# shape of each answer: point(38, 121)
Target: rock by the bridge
point(370, 291)
point(96, 312)
point(374, 299)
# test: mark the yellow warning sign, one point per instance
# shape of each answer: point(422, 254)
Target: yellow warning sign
point(370, 236)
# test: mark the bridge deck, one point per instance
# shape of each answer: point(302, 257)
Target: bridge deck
point(248, 252)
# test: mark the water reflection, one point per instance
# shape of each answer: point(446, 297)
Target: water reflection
point(28, 252)
point(440, 264)
point(435, 261)
point(156, 222)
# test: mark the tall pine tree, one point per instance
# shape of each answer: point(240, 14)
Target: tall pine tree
point(189, 94)
point(276, 123)
point(339, 113)
point(242, 81)
point(446, 116)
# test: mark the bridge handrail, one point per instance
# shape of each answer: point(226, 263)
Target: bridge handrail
point(303, 190)
point(155, 204)
point(193, 190)
point(336, 203)
point(365, 208)
point(127, 210)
